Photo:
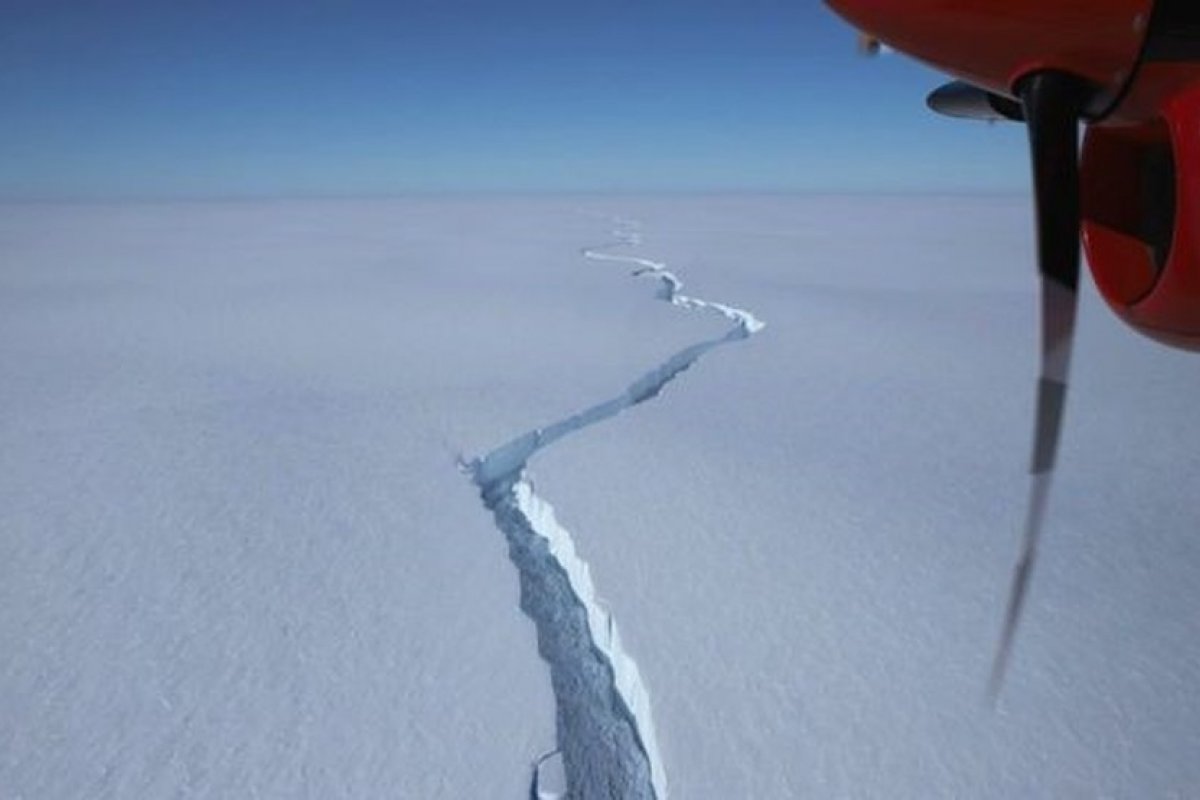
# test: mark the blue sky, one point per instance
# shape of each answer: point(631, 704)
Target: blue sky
point(259, 97)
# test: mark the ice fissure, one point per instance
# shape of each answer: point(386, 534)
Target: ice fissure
point(605, 733)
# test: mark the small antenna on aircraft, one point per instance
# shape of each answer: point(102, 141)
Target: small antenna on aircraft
point(868, 45)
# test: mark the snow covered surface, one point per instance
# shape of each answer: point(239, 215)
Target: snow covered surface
point(238, 554)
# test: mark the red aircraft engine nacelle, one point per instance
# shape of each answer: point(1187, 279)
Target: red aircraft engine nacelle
point(1140, 171)
point(994, 43)
point(1141, 206)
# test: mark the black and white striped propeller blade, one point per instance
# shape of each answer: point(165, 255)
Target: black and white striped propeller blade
point(1051, 105)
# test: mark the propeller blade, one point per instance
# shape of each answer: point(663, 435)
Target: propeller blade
point(961, 99)
point(1052, 104)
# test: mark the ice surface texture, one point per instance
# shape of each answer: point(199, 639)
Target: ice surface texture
point(234, 561)
point(605, 730)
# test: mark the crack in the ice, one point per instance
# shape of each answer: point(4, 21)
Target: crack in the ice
point(605, 733)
